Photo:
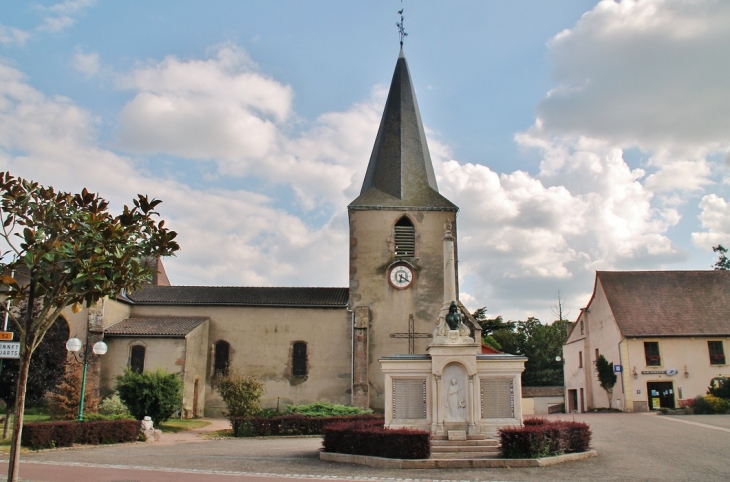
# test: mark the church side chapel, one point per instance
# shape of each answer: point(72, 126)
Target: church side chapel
point(382, 342)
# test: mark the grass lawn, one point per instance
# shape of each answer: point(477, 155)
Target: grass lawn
point(175, 425)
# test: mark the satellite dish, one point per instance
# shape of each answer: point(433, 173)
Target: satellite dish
point(672, 372)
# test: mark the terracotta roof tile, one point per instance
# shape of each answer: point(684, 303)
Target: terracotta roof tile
point(669, 303)
point(241, 296)
point(168, 326)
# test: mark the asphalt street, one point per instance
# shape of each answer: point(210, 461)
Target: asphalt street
point(637, 447)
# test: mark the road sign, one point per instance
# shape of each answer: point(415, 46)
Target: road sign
point(6, 335)
point(618, 368)
point(10, 349)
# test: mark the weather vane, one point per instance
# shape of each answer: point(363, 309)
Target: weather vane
point(401, 29)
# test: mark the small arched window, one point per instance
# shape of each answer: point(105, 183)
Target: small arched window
point(222, 358)
point(405, 238)
point(136, 358)
point(299, 359)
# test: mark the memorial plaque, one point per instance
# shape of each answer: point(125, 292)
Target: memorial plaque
point(497, 397)
point(409, 399)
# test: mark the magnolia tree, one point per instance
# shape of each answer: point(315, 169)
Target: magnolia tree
point(66, 250)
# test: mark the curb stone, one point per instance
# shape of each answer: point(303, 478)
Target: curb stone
point(384, 463)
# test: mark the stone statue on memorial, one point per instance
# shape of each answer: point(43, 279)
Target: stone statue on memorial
point(453, 318)
point(455, 402)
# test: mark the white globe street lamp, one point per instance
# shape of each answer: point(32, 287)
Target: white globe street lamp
point(73, 346)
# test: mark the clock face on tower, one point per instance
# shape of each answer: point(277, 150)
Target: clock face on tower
point(400, 276)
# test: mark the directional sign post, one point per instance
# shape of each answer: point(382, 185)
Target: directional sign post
point(9, 349)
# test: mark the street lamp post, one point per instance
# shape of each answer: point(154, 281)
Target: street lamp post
point(74, 346)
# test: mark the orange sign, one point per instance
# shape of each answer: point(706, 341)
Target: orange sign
point(6, 335)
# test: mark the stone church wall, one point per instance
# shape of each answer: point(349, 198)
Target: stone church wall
point(165, 353)
point(261, 341)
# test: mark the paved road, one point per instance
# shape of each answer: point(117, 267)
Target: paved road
point(637, 447)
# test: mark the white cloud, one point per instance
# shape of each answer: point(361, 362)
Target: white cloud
point(60, 16)
point(12, 36)
point(228, 236)
point(54, 19)
point(223, 109)
point(87, 64)
point(715, 220)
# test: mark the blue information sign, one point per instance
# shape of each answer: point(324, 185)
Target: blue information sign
point(618, 368)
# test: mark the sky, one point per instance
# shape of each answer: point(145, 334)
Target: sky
point(574, 136)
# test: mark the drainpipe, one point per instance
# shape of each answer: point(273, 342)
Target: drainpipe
point(352, 356)
point(623, 388)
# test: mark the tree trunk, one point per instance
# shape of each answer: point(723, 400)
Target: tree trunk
point(14, 462)
point(8, 412)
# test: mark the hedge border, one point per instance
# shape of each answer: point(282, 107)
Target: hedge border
point(43, 435)
point(292, 424)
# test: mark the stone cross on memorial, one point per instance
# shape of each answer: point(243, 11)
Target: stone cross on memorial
point(411, 335)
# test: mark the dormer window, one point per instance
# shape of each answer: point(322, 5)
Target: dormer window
point(405, 238)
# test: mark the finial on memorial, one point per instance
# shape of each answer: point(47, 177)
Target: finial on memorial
point(401, 29)
point(447, 230)
point(453, 318)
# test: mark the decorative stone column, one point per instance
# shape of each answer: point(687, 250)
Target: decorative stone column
point(439, 418)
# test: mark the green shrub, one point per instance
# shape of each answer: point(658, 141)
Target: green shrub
point(373, 439)
point(113, 406)
point(700, 406)
point(241, 394)
point(719, 405)
point(322, 409)
point(721, 389)
point(65, 434)
point(293, 424)
point(544, 438)
point(157, 394)
point(93, 417)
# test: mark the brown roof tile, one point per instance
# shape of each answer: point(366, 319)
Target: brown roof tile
point(669, 303)
point(167, 326)
point(241, 296)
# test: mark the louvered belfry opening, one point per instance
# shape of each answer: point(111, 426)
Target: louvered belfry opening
point(405, 238)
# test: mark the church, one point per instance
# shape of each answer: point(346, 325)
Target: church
point(306, 344)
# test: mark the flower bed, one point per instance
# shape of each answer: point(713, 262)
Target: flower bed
point(544, 438)
point(42, 435)
point(369, 438)
point(292, 424)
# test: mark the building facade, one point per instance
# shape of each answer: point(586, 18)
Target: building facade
point(666, 331)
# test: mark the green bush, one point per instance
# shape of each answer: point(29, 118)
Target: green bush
point(721, 389)
point(94, 417)
point(700, 406)
point(157, 394)
point(719, 405)
point(322, 409)
point(113, 406)
point(241, 394)
point(294, 424)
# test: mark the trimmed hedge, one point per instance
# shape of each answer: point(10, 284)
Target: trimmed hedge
point(291, 424)
point(368, 438)
point(43, 435)
point(544, 438)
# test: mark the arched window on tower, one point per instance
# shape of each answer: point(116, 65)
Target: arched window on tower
point(222, 358)
point(405, 238)
point(299, 359)
point(136, 358)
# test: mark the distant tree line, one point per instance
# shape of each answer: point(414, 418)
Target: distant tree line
point(542, 345)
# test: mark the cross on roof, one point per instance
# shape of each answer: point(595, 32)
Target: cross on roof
point(411, 335)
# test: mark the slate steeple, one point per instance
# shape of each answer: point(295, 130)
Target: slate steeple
point(400, 174)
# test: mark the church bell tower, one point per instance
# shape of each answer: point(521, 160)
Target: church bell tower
point(396, 244)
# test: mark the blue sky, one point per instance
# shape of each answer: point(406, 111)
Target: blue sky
point(574, 135)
